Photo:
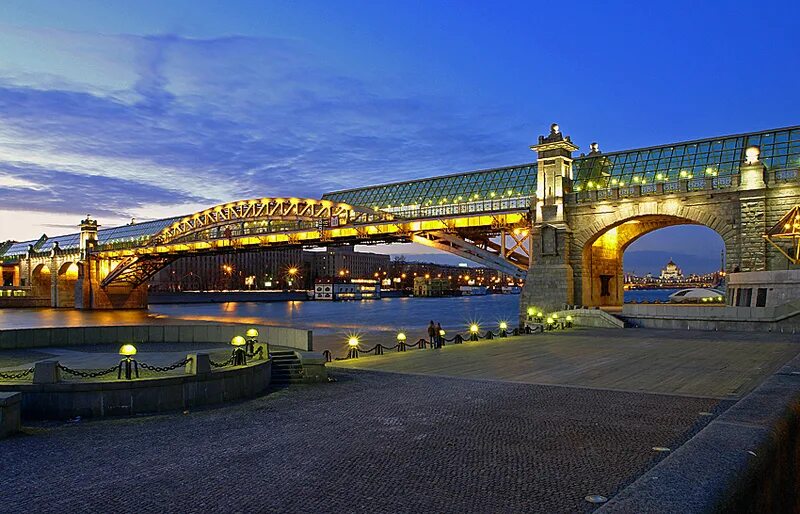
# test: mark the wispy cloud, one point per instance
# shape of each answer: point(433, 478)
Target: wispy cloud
point(186, 121)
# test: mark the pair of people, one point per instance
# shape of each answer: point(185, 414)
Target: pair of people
point(435, 335)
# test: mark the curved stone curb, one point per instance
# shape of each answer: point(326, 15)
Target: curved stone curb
point(736, 451)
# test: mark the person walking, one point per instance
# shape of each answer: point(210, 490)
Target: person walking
point(439, 337)
point(432, 333)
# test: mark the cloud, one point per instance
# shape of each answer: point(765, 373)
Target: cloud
point(183, 121)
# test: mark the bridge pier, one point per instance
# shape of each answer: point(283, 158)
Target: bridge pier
point(90, 295)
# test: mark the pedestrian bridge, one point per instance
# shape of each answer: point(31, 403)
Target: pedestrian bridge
point(562, 221)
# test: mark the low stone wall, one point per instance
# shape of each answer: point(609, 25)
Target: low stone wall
point(9, 413)
point(783, 318)
point(314, 369)
point(194, 333)
point(65, 400)
point(744, 461)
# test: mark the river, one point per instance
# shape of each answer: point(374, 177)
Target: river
point(374, 320)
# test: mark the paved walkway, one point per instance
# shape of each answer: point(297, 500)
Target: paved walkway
point(371, 442)
point(711, 364)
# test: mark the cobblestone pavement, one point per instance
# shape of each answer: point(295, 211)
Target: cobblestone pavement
point(371, 442)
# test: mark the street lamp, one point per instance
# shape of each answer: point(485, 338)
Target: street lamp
point(252, 339)
point(352, 345)
point(239, 354)
point(503, 329)
point(128, 362)
point(473, 330)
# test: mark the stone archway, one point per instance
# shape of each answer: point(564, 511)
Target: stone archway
point(599, 248)
point(41, 281)
point(65, 283)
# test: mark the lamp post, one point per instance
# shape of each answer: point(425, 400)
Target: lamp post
point(128, 362)
point(401, 341)
point(569, 321)
point(239, 353)
point(352, 345)
point(503, 329)
point(473, 330)
point(252, 339)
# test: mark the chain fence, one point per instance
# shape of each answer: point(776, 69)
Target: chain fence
point(15, 375)
point(423, 343)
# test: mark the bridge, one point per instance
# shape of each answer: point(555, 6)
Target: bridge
point(563, 222)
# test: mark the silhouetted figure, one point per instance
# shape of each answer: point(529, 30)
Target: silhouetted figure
point(432, 333)
point(439, 338)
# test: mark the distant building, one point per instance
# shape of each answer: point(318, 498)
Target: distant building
point(329, 288)
point(432, 286)
point(671, 272)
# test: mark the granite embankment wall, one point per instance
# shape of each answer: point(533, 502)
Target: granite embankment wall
point(183, 333)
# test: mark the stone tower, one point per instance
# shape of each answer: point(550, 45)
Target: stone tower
point(549, 284)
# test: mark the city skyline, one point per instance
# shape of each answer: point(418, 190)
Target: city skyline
point(171, 108)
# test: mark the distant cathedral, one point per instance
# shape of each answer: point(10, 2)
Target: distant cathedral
point(671, 272)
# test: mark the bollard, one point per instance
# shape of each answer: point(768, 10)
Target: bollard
point(46, 372)
point(199, 364)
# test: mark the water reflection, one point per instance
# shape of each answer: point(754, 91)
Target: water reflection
point(389, 314)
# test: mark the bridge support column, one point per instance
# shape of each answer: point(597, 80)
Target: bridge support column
point(550, 281)
point(89, 294)
point(752, 215)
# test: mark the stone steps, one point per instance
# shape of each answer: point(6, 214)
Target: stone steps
point(286, 368)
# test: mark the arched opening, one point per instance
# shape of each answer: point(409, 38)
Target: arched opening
point(67, 278)
point(603, 271)
point(40, 281)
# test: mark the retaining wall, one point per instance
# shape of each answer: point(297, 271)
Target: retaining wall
point(197, 333)
point(64, 400)
point(9, 413)
point(783, 318)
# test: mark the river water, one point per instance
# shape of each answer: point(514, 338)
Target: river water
point(332, 322)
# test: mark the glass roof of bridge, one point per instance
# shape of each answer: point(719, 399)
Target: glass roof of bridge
point(122, 235)
point(711, 157)
point(476, 186)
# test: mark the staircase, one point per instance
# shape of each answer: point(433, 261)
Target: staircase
point(286, 368)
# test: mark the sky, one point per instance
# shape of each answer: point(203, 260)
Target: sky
point(149, 109)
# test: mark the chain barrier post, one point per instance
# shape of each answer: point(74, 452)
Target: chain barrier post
point(46, 372)
point(198, 364)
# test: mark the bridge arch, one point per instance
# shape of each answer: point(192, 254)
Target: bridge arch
point(65, 283)
point(601, 245)
point(41, 281)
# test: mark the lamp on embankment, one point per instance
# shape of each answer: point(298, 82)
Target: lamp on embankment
point(503, 329)
point(239, 353)
point(252, 339)
point(128, 351)
point(473, 330)
point(352, 345)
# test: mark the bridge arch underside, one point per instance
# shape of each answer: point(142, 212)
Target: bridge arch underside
point(66, 281)
point(600, 280)
point(41, 281)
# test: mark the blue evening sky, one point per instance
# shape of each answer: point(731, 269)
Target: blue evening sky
point(147, 109)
